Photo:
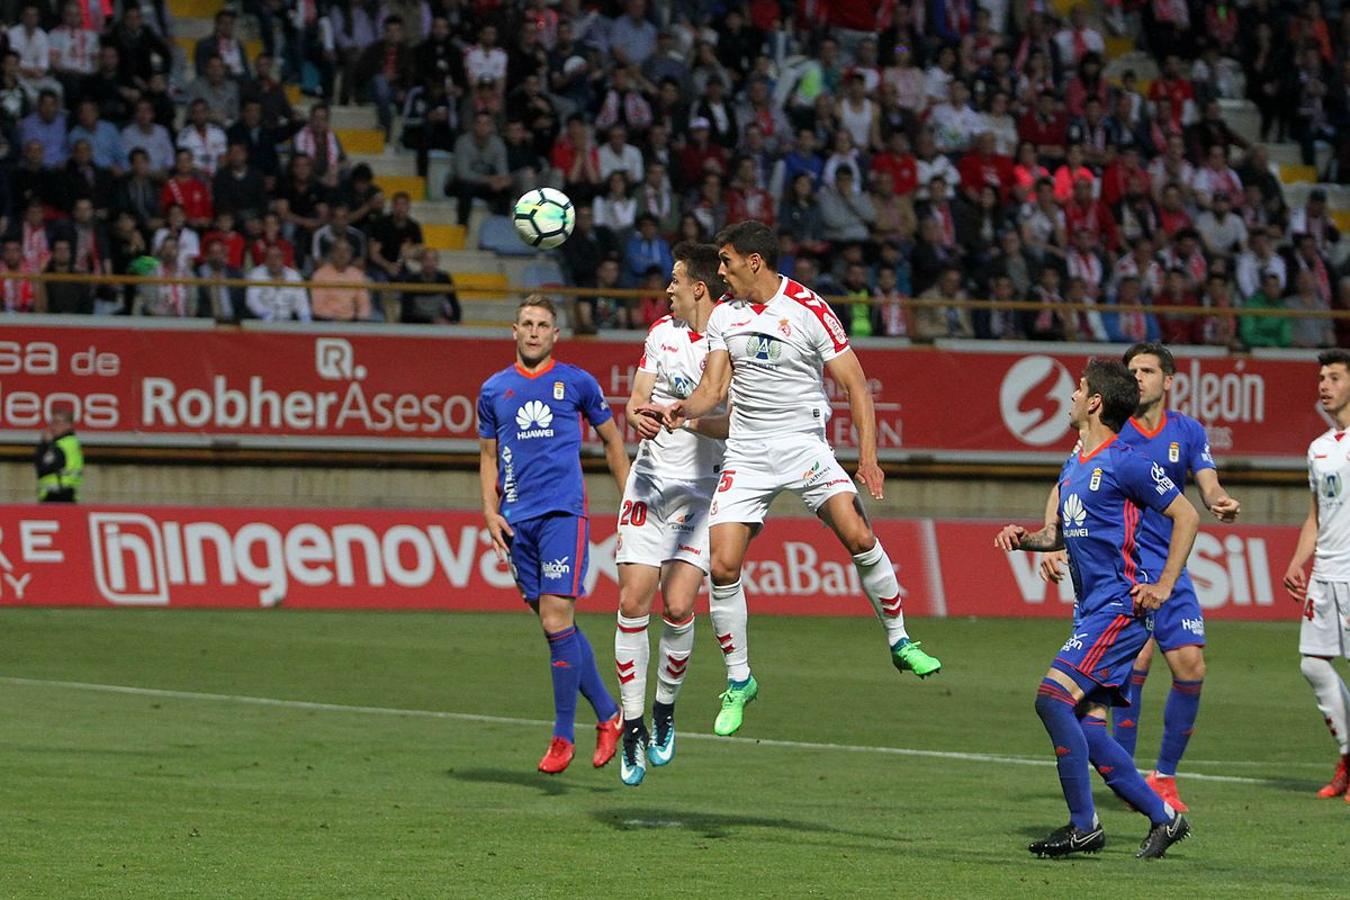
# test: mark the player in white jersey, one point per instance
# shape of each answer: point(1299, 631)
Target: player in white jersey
point(768, 348)
point(1325, 538)
point(663, 519)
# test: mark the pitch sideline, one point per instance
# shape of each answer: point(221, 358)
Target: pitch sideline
point(509, 720)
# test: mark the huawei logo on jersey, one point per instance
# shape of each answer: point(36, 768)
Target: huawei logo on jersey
point(1074, 514)
point(533, 419)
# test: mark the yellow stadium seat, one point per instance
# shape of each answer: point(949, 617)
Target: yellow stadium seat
point(195, 9)
point(444, 237)
point(413, 185)
point(361, 140)
point(470, 285)
point(1291, 174)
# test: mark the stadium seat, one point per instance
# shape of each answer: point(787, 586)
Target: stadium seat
point(499, 236)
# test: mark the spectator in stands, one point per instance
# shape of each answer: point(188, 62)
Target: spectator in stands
point(440, 307)
point(145, 133)
point(1222, 232)
point(615, 210)
point(953, 123)
point(277, 302)
point(127, 246)
point(486, 61)
point(46, 125)
point(394, 239)
point(82, 179)
point(302, 201)
point(439, 59)
point(223, 231)
point(586, 249)
point(363, 196)
point(1306, 258)
point(20, 294)
point(891, 314)
point(271, 236)
point(259, 140)
point(714, 108)
point(1258, 261)
point(64, 297)
point(576, 156)
point(238, 188)
point(106, 87)
point(616, 154)
point(267, 89)
point(480, 169)
point(1051, 322)
point(1124, 323)
point(387, 66)
point(1077, 39)
point(846, 214)
point(1308, 296)
point(171, 300)
point(185, 189)
point(320, 143)
point(1266, 331)
point(339, 227)
point(29, 41)
point(644, 250)
point(1046, 128)
point(74, 50)
point(138, 193)
point(943, 321)
point(142, 53)
point(204, 138)
point(88, 237)
point(929, 164)
point(218, 91)
point(623, 105)
point(185, 238)
point(1314, 219)
point(701, 154)
point(354, 29)
point(656, 198)
point(337, 303)
point(219, 301)
point(222, 43)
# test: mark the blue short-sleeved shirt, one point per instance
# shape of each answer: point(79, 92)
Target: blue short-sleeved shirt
point(1181, 447)
point(538, 421)
point(1102, 499)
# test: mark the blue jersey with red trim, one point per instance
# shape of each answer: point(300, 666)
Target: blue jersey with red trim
point(536, 419)
point(1102, 498)
point(1181, 447)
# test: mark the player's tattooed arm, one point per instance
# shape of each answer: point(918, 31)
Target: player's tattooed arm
point(1052, 564)
point(1016, 537)
point(1217, 500)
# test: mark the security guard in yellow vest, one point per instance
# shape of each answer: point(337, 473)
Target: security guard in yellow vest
point(60, 461)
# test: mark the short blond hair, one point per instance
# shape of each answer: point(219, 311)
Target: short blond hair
point(541, 302)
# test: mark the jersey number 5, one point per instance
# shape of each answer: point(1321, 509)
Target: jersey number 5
point(634, 513)
point(724, 484)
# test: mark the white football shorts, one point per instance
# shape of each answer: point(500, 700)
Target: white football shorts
point(663, 520)
point(753, 473)
point(1326, 619)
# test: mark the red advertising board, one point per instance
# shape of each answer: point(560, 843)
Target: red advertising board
point(404, 390)
point(425, 560)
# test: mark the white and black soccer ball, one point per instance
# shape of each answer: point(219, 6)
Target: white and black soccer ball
point(544, 217)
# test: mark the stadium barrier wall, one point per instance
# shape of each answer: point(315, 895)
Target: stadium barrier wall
point(410, 390)
point(368, 559)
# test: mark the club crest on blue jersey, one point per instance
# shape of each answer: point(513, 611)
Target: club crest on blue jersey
point(1174, 452)
point(1096, 482)
point(558, 389)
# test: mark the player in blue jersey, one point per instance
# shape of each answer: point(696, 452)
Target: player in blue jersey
point(534, 500)
point(1178, 444)
point(1105, 487)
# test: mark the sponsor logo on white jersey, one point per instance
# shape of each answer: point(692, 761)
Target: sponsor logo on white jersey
point(1034, 400)
point(533, 419)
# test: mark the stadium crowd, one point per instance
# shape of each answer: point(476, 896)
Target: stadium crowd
point(941, 149)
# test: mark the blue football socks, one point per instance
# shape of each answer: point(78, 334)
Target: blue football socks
point(592, 685)
point(1055, 705)
point(1125, 719)
point(1183, 705)
point(1117, 768)
point(566, 664)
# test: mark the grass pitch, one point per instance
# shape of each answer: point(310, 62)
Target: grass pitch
point(193, 787)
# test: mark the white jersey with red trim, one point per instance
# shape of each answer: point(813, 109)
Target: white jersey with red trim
point(676, 355)
point(1329, 478)
point(778, 351)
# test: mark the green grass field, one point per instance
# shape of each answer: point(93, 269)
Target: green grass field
point(190, 788)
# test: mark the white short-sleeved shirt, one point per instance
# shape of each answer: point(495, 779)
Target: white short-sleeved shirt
point(1329, 478)
point(778, 351)
point(676, 355)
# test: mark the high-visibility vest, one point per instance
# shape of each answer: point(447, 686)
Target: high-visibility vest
point(71, 474)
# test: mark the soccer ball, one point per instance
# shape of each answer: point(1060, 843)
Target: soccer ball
point(544, 217)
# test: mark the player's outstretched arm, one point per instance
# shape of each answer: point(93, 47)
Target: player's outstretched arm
point(1217, 500)
point(1051, 568)
point(1295, 579)
point(710, 393)
point(497, 526)
point(616, 455)
point(639, 409)
point(1185, 525)
point(1015, 537)
point(847, 372)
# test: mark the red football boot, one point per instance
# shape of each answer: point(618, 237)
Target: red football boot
point(1339, 782)
point(607, 736)
point(558, 757)
point(1165, 786)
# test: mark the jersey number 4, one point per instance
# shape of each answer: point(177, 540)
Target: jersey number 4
point(634, 513)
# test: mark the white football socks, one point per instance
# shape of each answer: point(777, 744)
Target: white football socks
point(631, 651)
point(729, 617)
point(677, 642)
point(1332, 698)
point(883, 589)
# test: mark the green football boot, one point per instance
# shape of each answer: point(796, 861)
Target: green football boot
point(734, 700)
point(909, 658)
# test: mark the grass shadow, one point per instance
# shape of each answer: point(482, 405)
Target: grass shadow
point(551, 785)
point(721, 825)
